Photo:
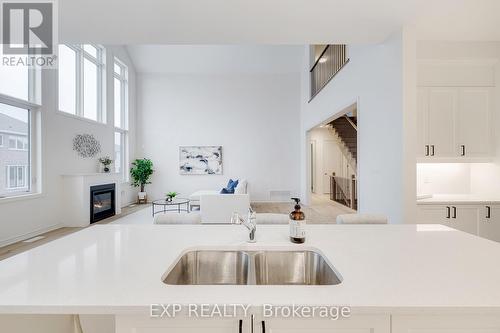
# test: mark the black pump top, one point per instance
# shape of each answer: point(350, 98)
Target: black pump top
point(297, 206)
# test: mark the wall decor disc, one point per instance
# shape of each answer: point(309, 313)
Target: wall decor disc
point(86, 145)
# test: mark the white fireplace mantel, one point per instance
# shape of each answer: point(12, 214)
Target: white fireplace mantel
point(76, 195)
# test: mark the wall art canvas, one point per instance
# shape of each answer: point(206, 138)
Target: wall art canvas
point(86, 145)
point(200, 160)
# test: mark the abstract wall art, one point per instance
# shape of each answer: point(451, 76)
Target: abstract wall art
point(200, 160)
point(86, 145)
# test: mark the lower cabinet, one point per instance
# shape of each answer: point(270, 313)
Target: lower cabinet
point(481, 220)
point(446, 324)
point(143, 324)
point(353, 324)
point(254, 324)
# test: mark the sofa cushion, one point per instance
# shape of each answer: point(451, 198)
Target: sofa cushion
point(242, 187)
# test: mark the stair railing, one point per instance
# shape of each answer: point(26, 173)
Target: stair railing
point(349, 120)
point(333, 58)
point(343, 190)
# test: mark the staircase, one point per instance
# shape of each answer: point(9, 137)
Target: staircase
point(346, 132)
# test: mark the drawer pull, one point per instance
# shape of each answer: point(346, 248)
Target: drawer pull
point(454, 212)
point(488, 212)
point(448, 212)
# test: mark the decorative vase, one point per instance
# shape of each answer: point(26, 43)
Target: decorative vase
point(106, 169)
point(169, 199)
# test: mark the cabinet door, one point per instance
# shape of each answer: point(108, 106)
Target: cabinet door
point(441, 121)
point(489, 222)
point(431, 214)
point(354, 324)
point(473, 119)
point(446, 324)
point(464, 218)
point(422, 115)
point(141, 324)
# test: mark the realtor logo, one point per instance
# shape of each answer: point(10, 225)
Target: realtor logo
point(28, 28)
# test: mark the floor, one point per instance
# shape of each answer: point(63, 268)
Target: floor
point(321, 211)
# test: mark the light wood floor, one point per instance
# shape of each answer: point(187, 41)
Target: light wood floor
point(19, 247)
point(321, 211)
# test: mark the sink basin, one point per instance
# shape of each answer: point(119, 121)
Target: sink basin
point(209, 267)
point(241, 267)
point(293, 267)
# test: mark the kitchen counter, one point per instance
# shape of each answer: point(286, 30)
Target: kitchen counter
point(473, 199)
point(116, 269)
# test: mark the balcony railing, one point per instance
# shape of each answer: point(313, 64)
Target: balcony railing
point(329, 63)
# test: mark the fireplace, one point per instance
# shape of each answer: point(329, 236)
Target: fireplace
point(102, 202)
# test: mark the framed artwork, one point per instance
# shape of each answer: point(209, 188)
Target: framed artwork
point(200, 160)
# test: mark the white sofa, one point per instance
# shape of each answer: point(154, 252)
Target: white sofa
point(218, 208)
point(194, 199)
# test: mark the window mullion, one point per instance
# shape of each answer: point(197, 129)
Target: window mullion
point(79, 82)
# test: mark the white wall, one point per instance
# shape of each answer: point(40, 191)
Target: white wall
point(23, 218)
point(254, 117)
point(374, 78)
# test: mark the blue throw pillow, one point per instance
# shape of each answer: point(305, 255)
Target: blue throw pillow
point(231, 185)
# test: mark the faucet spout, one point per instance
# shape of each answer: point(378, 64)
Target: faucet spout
point(250, 223)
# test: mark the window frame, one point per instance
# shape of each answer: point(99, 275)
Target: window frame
point(100, 61)
point(123, 129)
point(32, 171)
point(25, 172)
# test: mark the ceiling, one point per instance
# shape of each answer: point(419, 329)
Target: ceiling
point(273, 21)
point(216, 59)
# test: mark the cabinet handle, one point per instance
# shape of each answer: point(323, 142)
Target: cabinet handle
point(462, 150)
point(488, 212)
point(240, 325)
point(263, 327)
point(426, 150)
point(454, 212)
point(447, 212)
point(432, 150)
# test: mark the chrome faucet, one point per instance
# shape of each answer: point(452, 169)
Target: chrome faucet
point(250, 223)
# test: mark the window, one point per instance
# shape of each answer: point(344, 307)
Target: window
point(80, 74)
point(120, 86)
point(15, 161)
point(18, 142)
point(1, 140)
point(22, 82)
point(17, 176)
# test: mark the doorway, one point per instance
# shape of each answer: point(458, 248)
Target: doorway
point(333, 160)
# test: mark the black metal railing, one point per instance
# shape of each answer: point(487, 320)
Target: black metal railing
point(329, 63)
point(343, 191)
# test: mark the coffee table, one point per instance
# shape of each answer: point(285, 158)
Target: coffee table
point(176, 204)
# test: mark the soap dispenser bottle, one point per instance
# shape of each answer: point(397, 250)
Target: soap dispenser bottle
point(297, 224)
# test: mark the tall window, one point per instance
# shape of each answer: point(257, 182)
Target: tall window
point(120, 84)
point(15, 150)
point(81, 70)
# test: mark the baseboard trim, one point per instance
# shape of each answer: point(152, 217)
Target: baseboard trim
point(31, 234)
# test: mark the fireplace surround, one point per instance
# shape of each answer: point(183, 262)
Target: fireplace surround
point(102, 202)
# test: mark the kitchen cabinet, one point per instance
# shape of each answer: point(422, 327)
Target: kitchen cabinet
point(489, 222)
point(143, 324)
point(482, 220)
point(353, 324)
point(454, 123)
point(445, 323)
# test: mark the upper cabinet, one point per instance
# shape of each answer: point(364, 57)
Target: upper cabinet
point(454, 116)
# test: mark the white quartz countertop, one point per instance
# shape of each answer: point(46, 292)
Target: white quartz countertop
point(117, 269)
point(458, 198)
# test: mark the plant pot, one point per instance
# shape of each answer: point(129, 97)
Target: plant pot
point(168, 199)
point(106, 169)
point(142, 197)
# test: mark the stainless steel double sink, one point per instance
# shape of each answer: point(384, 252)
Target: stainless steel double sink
point(252, 267)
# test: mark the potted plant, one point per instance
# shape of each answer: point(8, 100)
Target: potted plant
point(106, 162)
point(141, 172)
point(171, 195)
